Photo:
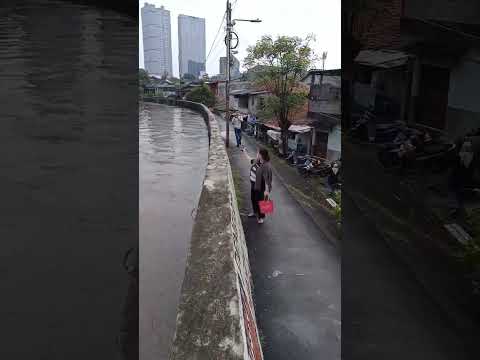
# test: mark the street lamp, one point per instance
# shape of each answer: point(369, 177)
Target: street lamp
point(228, 39)
point(246, 20)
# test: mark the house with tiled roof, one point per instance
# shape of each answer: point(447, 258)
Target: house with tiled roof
point(316, 127)
point(405, 72)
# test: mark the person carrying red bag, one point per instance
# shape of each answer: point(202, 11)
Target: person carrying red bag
point(261, 183)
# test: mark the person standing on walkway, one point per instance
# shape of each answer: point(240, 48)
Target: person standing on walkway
point(263, 180)
point(237, 125)
point(332, 179)
point(253, 177)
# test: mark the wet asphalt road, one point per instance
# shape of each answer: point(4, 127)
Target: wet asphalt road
point(296, 276)
point(173, 145)
point(387, 314)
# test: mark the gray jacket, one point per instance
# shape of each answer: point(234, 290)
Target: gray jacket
point(264, 173)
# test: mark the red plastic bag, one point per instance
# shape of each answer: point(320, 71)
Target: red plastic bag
point(266, 206)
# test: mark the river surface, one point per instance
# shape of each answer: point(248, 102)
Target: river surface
point(173, 155)
point(69, 185)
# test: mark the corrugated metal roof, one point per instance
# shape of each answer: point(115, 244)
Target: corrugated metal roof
point(299, 128)
point(326, 120)
point(381, 58)
point(247, 92)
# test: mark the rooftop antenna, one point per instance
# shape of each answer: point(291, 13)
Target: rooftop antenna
point(324, 57)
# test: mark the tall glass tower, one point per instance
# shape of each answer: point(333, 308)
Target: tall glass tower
point(157, 40)
point(191, 45)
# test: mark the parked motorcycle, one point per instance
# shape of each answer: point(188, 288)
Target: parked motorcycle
point(294, 159)
point(291, 157)
point(306, 166)
point(322, 170)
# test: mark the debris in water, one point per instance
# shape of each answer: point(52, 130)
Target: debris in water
point(276, 273)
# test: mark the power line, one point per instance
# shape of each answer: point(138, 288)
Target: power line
point(218, 32)
point(215, 53)
point(216, 36)
point(214, 49)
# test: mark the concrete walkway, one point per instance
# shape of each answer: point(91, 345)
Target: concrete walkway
point(387, 313)
point(296, 274)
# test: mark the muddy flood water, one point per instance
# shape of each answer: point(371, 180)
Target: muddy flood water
point(173, 154)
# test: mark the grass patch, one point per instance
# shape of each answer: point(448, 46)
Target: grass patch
point(310, 191)
point(473, 221)
point(338, 210)
point(383, 211)
point(470, 253)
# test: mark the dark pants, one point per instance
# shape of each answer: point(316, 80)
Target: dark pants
point(238, 136)
point(256, 196)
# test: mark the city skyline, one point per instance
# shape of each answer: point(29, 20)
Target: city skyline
point(157, 35)
point(191, 45)
point(304, 18)
point(234, 69)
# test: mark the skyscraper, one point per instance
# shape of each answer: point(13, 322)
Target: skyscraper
point(191, 45)
point(234, 69)
point(157, 42)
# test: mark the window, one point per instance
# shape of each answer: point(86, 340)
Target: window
point(261, 102)
point(321, 137)
point(243, 102)
point(335, 93)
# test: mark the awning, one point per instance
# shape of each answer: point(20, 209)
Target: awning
point(239, 92)
point(275, 135)
point(381, 58)
point(299, 128)
point(244, 92)
point(270, 126)
point(324, 121)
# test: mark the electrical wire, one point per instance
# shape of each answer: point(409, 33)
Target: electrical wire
point(434, 23)
point(216, 36)
point(215, 42)
point(215, 46)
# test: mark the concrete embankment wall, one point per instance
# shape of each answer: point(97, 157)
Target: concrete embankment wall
point(216, 317)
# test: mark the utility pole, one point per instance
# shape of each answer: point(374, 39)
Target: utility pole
point(228, 41)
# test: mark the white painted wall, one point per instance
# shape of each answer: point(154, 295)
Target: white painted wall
point(364, 94)
point(334, 145)
point(464, 84)
point(463, 113)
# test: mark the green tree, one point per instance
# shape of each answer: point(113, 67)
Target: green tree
point(281, 63)
point(189, 77)
point(174, 79)
point(202, 94)
point(143, 79)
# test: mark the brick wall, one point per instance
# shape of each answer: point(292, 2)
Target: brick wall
point(377, 24)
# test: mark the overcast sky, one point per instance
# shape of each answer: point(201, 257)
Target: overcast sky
point(279, 17)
